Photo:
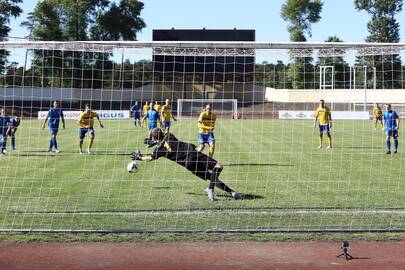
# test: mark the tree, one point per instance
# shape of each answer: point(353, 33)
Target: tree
point(78, 20)
point(120, 22)
point(383, 27)
point(300, 14)
point(8, 9)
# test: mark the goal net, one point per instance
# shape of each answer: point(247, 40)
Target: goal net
point(227, 108)
point(271, 156)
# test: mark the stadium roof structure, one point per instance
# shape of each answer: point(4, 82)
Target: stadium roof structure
point(217, 48)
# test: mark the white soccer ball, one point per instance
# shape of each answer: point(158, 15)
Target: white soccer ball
point(132, 167)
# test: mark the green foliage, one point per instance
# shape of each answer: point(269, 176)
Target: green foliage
point(72, 20)
point(120, 22)
point(8, 9)
point(383, 27)
point(300, 14)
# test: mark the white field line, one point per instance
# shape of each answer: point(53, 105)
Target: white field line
point(218, 211)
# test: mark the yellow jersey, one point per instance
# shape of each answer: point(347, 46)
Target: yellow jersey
point(145, 108)
point(157, 107)
point(377, 112)
point(86, 120)
point(324, 115)
point(206, 122)
point(167, 112)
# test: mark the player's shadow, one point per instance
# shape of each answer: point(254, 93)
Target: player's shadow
point(364, 147)
point(244, 197)
point(258, 164)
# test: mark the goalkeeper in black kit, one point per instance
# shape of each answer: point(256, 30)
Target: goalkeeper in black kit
point(186, 155)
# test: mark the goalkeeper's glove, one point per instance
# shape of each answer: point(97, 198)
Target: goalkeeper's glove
point(136, 155)
point(149, 142)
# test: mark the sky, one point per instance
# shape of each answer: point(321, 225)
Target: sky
point(338, 18)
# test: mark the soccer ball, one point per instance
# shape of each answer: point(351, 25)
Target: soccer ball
point(132, 167)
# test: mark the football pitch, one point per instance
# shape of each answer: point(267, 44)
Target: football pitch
point(286, 181)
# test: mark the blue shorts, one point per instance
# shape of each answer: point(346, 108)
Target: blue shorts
point(206, 138)
point(392, 132)
point(53, 131)
point(324, 128)
point(137, 115)
point(166, 124)
point(84, 131)
point(152, 125)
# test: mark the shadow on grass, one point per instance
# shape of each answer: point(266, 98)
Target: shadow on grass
point(258, 164)
point(245, 197)
point(364, 147)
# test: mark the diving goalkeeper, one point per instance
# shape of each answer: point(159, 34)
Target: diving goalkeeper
point(186, 155)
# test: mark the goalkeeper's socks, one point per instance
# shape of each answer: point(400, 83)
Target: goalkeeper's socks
point(13, 143)
point(389, 145)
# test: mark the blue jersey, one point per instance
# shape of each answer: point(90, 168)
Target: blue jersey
point(54, 115)
point(14, 122)
point(136, 108)
point(152, 116)
point(4, 124)
point(390, 118)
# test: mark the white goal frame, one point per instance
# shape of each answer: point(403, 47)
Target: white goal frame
point(206, 101)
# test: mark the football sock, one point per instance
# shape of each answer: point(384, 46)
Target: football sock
point(50, 144)
point(396, 144)
point(13, 143)
point(320, 140)
point(55, 143)
point(389, 145)
point(211, 151)
point(216, 182)
point(330, 141)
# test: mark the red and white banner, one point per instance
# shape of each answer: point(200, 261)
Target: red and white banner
point(338, 115)
point(109, 115)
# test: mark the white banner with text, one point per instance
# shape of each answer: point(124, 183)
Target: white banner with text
point(109, 115)
point(338, 115)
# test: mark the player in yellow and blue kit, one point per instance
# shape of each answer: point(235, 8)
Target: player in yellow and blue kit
point(86, 126)
point(153, 117)
point(206, 125)
point(378, 116)
point(324, 116)
point(4, 127)
point(166, 114)
point(391, 125)
point(54, 116)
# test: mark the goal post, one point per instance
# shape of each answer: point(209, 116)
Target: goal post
point(224, 108)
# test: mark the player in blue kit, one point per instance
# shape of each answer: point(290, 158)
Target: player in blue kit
point(55, 114)
point(136, 110)
point(153, 117)
point(4, 127)
point(391, 125)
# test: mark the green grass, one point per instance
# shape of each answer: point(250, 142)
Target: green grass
point(287, 181)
